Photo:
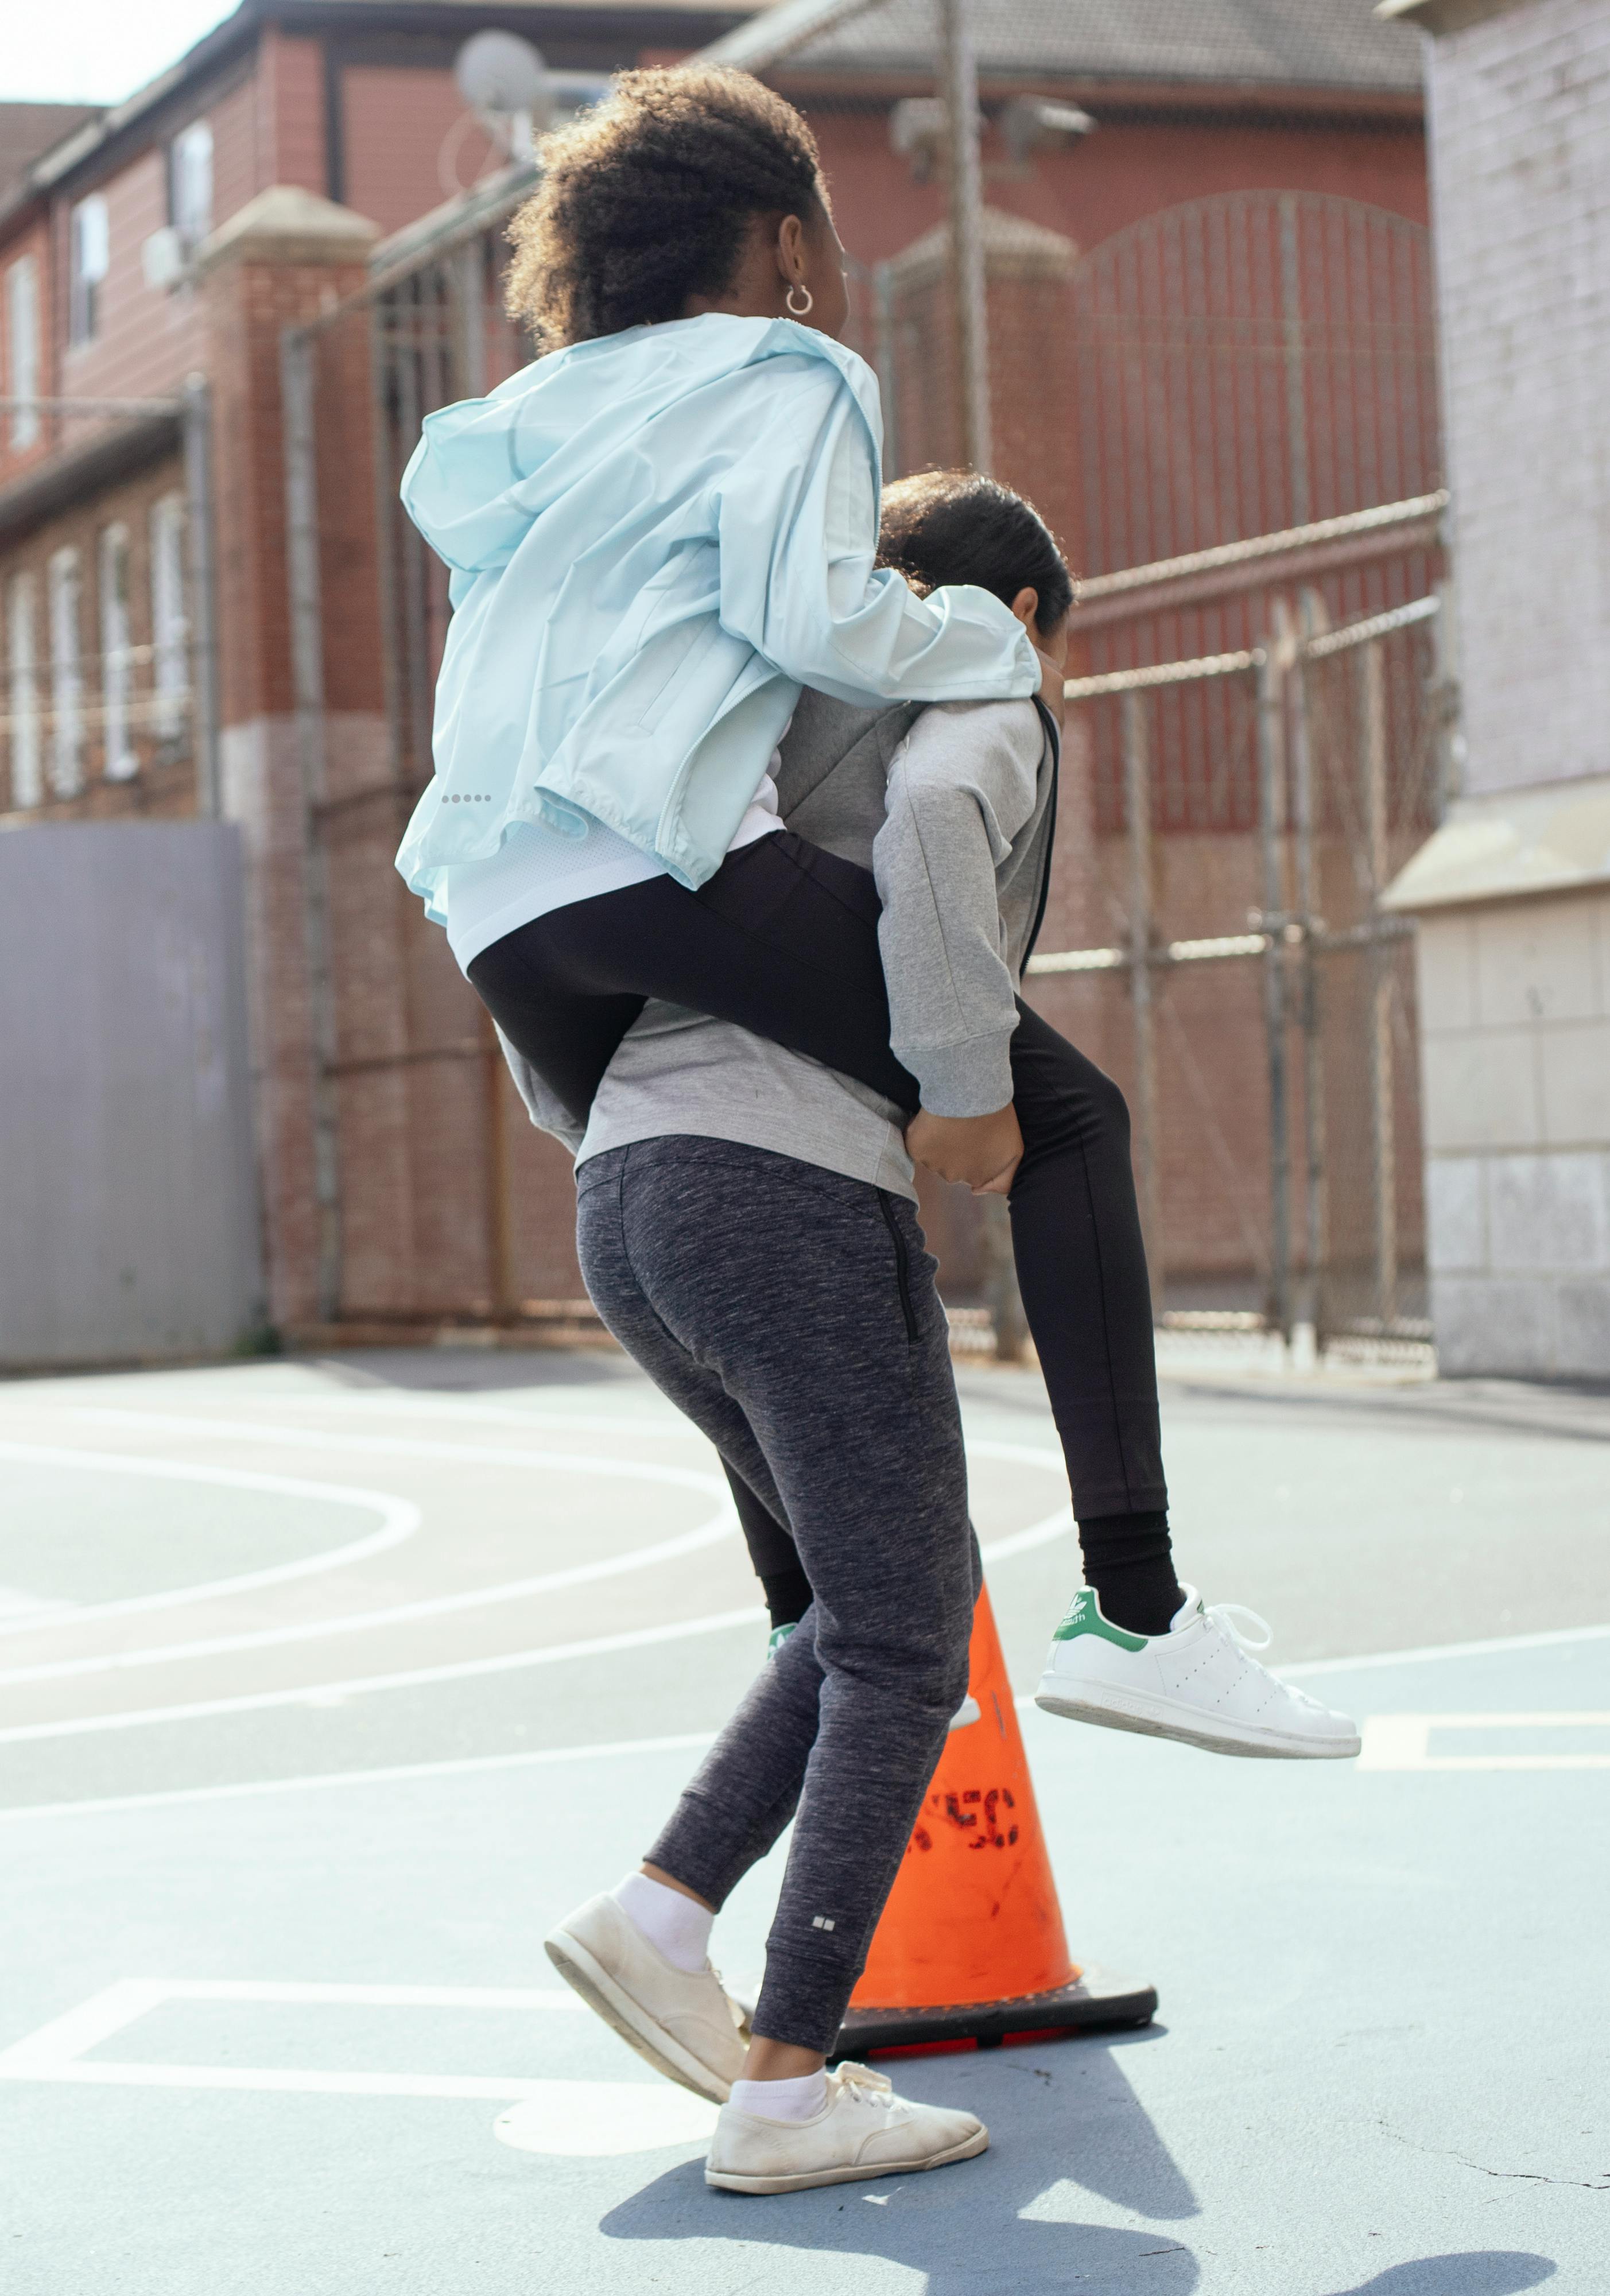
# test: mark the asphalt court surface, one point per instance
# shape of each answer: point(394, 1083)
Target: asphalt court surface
point(325, 1686)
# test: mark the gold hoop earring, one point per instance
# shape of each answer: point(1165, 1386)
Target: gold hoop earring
point(804, 310)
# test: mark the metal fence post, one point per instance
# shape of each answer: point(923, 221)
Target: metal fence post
point(960, 71)
point(1382, 1113)
point(1271, 825)
point(298, 352)
point(888, 372)
point(1312, 621)
point(1137, 830)
point(473, 317)
point(197, 423)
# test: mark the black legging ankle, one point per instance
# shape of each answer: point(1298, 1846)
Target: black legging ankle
point(782, 940)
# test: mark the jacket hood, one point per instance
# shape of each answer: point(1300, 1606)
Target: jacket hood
point(486, 469)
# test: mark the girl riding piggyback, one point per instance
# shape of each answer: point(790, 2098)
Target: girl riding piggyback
point(666, 526)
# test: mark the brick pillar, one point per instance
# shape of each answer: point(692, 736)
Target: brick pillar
point(1026, 272)
point(283, 259)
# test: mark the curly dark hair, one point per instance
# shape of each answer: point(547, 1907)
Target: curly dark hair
point(645, 201)
point(954, 526)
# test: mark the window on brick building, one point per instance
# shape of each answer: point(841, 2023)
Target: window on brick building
point(190, 183)
point(89, 259)
point(22, 334)
point(65, 596)
point(117, 655)
point(22, 691)
point(170, 623)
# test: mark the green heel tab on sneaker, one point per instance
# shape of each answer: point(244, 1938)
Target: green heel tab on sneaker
point(1084, 1617)
point(778, 1636)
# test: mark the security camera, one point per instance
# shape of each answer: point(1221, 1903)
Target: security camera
point(1032, 123)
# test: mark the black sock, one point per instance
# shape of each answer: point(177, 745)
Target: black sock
point(788, 1596)
point(1130, 1564)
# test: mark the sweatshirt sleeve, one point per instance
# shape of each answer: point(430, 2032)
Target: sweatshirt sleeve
point(797, 535)
point(961, 786)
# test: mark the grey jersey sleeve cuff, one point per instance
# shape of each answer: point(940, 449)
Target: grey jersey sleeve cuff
point(970, 1079)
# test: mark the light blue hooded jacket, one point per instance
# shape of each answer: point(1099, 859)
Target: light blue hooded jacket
point(655, 538)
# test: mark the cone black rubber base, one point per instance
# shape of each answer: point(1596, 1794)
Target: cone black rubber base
point(1098, 2002)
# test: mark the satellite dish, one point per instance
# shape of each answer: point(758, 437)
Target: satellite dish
point(500, 74)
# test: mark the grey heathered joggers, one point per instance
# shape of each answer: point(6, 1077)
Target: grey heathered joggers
point(792, 1313)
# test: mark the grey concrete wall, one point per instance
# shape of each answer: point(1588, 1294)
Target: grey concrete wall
point(1514, 1019)
point(1513, 892)
point(1520, 167)
point(128, 1218)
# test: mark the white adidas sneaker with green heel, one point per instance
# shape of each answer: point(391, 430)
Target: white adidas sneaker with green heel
point(1198, 1683)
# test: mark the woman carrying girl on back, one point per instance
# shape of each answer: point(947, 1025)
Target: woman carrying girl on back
point(658, 534)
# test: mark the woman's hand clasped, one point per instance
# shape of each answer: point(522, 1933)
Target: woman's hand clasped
point(982, 1151)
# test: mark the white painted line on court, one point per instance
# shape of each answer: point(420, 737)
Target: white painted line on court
point(50, 2051)
point(1402, 1742)
point(313, 1693)
point(593, 2120)
point(455, 1765)
point(1037, 1534)
point(400, 1519)
point(385, 1446)
point(410, 1407)
point(16, 1603)
point(580, 2119)
point(721, 1526)
point(1495, 1646)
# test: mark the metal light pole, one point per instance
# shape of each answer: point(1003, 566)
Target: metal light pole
point(959, 78)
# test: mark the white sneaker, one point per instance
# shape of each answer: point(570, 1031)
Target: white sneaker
point(682, 2021)
point(1197, 1684)
point(863, 2130)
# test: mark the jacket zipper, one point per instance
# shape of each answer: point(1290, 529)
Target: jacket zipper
point(902, 1264)
point(1054, 736)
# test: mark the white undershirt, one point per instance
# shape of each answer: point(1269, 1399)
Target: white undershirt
point(536, 870)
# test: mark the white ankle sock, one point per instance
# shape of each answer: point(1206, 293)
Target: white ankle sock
point(676, 1926)
point(783, 2100)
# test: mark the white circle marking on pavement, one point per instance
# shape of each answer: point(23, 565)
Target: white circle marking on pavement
point(400, 1519)
point(719, 1526)
point(588, 2121)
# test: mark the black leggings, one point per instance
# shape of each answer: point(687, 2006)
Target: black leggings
point(782, 940)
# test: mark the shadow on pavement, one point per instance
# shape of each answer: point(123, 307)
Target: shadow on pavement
point(461, 1371)
point(1061, 2119)
point(1473, 2271)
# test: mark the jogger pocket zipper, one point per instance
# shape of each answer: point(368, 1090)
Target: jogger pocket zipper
point(902, 1263)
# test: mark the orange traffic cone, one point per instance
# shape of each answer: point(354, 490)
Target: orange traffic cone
point(971, 1944)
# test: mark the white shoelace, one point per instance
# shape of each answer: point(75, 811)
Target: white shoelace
point(1219, 1613)
point(866, 2086)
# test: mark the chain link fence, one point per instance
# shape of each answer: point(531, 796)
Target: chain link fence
point(1271, 1063)
point(1227, 410)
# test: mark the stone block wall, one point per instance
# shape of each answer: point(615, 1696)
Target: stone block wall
point(1513, 892)
point(1520, 143)
point(1514, 1008)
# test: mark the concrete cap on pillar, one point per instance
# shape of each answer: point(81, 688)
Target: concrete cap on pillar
point(287, 224)
point(1014, 247)
point(1553, 837)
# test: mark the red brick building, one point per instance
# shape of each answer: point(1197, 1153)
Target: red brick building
point(277, 169)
